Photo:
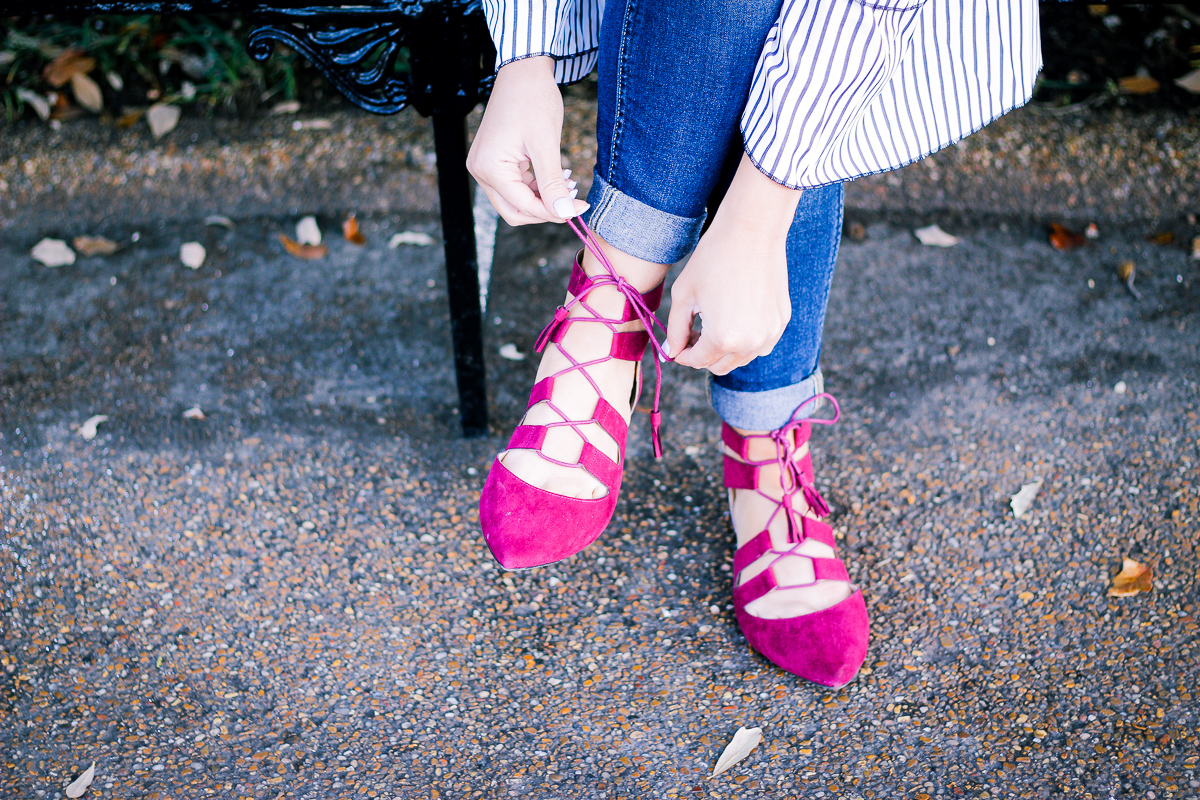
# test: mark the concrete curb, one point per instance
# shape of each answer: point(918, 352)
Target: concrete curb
point(1087, 166)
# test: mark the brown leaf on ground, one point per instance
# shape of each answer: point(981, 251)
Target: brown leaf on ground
point(351, 232)
point(308, 252)
point(94, 246)
point(130, 119)
point(71, 63)
point(1165, 237)
point(1138, 84)
point(1064, 238)
point(1133, 578)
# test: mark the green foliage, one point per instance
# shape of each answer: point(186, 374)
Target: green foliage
point(198, 61)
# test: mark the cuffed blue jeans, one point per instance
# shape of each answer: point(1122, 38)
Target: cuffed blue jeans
point(674, 77)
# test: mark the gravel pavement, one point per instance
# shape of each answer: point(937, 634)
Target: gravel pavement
point(290, 598)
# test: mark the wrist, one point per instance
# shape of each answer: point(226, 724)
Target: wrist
point(756, 203)
point(533, 67)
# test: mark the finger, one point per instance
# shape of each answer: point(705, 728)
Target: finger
point(555, 195)
point(679, 322)
point(507, 211)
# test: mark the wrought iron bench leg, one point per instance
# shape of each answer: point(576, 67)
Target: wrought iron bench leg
point(462, 270)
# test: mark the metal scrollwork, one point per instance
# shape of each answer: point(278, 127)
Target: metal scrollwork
point(436, 56)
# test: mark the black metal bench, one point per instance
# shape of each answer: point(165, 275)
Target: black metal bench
point(450, 60)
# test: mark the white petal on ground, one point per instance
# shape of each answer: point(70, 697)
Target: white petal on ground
point(511, 352)
point(88, 429)
point(1021, 501)
point(744, 741)
point(219, 219)
point(192, 255)
point(286, 107)
point(80, 784)
point(163, 117)
point(308, 232)
point(410, 237)
point(87, 93)
point(53, 253)
point(1121, 387)
point(1190, 82)
point(193, 413)
point(933, 236)
point(35, 101)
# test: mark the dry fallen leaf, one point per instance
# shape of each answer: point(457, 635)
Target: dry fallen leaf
point(88, 246)
point(410, 237)
point(130, 118)
point(511, 352)
point(192, 255)
point(744, 741)
point(1164, 237)
point(39, 104)
point(933, 236)
point(1133, 578)
point(308, 231)
point(308, 252)
point(88, 429)
point(1064, 238)
point(286, 107)
point(61, 70)
point(1196, 249)
point(78, 786)
point(193, 413)
point(1021, 501)
point(87, 93)
point(856, 231)
point(53, 253)
point(1138, 84)
point(351, 232)
point(163, 117)
point(1125, 274)
point(1190, 82)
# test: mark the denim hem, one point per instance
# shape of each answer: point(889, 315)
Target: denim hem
point(638, 229)
point(767, 410)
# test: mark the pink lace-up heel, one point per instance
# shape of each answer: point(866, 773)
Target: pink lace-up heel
point(827, 646)
point(526, 526)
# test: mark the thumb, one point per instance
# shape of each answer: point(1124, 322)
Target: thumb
point(558, 198)
point(679, 321)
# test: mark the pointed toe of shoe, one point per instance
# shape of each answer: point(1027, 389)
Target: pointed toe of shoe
point(525, 526)
point(827, 647)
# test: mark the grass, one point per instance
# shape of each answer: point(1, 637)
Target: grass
point(198, 61)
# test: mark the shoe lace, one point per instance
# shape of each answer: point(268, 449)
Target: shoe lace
point(791, 478)
point(562, 317)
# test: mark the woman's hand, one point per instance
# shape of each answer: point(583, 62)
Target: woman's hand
point(737, 278)
point(522, 128)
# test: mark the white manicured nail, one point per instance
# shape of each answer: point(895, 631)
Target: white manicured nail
point(566, 174)
point(572, 184)
point(574, 193)
point(666, 348)
point(564, 207)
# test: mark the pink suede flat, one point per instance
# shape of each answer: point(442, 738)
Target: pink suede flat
point(526, 526)
point(828, 646)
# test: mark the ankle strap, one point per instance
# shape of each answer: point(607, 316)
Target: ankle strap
point(581, 283)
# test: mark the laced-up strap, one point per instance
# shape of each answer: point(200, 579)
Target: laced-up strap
point(637, 306)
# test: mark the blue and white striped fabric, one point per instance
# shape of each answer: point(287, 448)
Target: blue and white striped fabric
point(843, 88)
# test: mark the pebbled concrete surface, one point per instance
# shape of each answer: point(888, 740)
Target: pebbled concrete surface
point(291, 599)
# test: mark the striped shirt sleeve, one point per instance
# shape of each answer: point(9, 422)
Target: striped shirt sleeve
point(846, 88)
point(567, 30)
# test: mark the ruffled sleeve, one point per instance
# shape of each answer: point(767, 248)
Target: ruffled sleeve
point(846, 88)
point(568, 30)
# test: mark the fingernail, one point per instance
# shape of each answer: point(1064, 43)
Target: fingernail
point(666, 348)
point(572, 184)
point(574, 193)
point(566, 174)
point(564, 207)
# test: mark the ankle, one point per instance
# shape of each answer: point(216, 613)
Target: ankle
point(642, 275)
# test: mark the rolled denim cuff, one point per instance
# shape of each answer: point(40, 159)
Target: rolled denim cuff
point(640, 230)
point(767, 410)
